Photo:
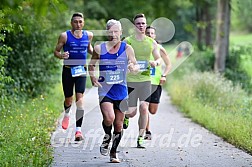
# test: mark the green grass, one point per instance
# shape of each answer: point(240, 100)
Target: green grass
point(213, 101)
point(216, 104)
point(240, 39)
point(25, 129)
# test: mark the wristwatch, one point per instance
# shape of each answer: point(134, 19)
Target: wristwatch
point(163, 75)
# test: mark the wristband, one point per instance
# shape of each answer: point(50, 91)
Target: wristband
point(163, 75)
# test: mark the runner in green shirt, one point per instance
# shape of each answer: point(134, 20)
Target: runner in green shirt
point(139, 85)
point(158, 78)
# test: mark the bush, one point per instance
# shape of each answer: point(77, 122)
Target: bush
point(211, 90)
point(4, 49)
point(238, 66)
point(204, 60)
point(215, 91)
point(30, 63)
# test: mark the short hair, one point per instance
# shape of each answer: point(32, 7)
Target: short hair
point(150, 27)
point(112, 22)
point(140, 15)
point(77, 14)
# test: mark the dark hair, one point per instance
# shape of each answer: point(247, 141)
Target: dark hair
point(149, 27)
point(78, 14)
point(140, 15)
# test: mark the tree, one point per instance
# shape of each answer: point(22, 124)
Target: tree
point(26, 52)
point(204, 12)
point(222, 35)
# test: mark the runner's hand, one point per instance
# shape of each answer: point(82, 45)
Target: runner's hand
point(95, 82)
point(162, 80)
point(65, 55)
point(130, 66)
point(153, 63)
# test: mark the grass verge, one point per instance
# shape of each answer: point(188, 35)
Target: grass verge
point(25, 129)
point(216, 104)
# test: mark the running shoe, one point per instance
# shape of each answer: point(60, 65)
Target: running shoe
point(104, 149)
point(113, 158)
point(140, 142)
point(65, 122)
point(147, 135)
point(125, 123)
point(78, 136)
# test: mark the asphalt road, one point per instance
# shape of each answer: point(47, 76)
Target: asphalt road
point(176, 142)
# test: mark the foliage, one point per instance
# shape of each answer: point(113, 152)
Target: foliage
point(96, 10)
point(185, 25)
point(31, 63)
point(92, 24)
point(204, 60)
point(25, 128)
point(238, 66)
point(242, 16)
point(4, 49)
point(181, 13)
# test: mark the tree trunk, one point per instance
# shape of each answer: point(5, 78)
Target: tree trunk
point(208, 30)
point(199, 29)
point(222, 35)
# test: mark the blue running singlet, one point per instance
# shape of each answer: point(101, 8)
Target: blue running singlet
point(113, 72)
point(77, 48)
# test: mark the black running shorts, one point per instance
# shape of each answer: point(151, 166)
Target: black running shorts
point(70, 82)
point(156, 93)
point(121, 105)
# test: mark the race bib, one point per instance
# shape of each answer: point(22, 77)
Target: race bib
point(77, 71)
point(114, 77)
point(152, 71)
point(142, 65)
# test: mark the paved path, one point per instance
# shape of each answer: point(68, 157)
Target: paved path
point(177, 142)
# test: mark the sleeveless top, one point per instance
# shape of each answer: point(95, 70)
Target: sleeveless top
point(77, 48)
point(143, 52)
point(113, 71)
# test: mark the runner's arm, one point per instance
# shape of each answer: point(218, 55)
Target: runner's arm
point(156, 55)
point(91, 67)
point(167, 61)
point(133, 66)
point(90, 47)
point(168, 65)
point(61, 42)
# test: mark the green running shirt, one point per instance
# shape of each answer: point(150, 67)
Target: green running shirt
point(143, 53)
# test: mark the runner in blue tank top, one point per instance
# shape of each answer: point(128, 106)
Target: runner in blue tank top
point(76, 43)
point(115, 58)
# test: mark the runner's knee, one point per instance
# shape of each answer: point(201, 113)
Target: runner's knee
point(68, 101)
point(109, 120)
point(144, 112)
point(132, 112)
point(118, 126)
point(143, 108)
point(80, 104)
point(152, 110)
